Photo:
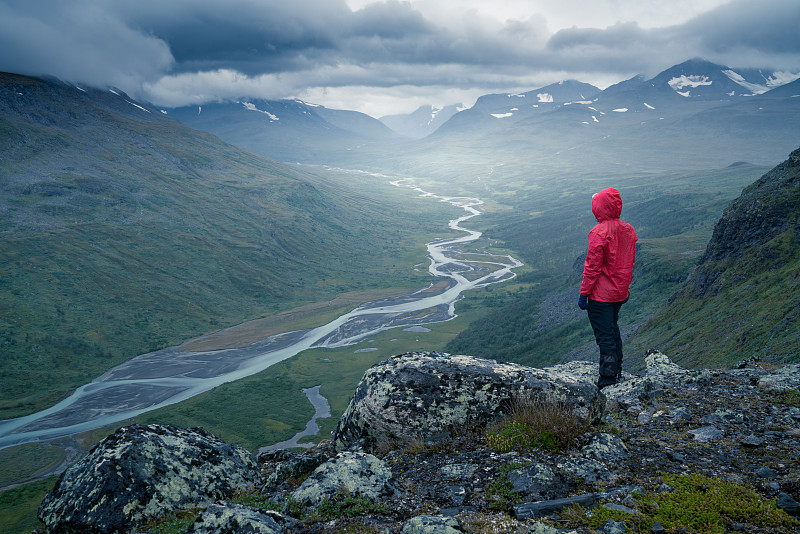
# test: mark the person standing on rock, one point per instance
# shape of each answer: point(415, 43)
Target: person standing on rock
point(607, 275)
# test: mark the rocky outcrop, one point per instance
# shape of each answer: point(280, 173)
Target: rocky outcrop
point(358, 473)
point(140, 473)
point(740, 425)
point(424, 395)
point(765, 209)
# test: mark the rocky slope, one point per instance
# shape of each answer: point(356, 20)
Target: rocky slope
point(664, 441)
point(743, 298)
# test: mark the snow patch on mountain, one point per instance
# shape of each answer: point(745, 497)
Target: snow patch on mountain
point(545, 97)
point(252, 107)
point(781, 78)
point(648, 106)
point(682, 82)
point(735, 77)
point(501, 115)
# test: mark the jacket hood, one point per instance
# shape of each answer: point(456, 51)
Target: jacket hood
point(607, 204)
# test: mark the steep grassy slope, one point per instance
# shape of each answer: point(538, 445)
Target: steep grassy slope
point(540, 324)
point(743, 299)
point(124, 231)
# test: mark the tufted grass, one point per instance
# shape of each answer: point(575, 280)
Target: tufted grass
point(177, 522)
point(533, 423)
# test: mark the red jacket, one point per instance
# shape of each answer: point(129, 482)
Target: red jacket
point(608, 270)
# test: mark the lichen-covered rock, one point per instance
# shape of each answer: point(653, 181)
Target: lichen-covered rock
point(141, 472)
point(358, 473)
point(431, 524)
point(229, 518)
point(543, 528)
point(787, 377)
point(424, 395)
point(590, 471)
point(606, 448)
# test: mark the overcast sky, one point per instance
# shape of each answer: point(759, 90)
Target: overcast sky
point(382, 57)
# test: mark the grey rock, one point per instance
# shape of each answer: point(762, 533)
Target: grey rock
point(431, 524)
point(766, 472)
point(424, 395)
point(752, 441)
point(680, 414)
point(141, 472)
point(457, 495)
point(542, 528)
point(613, 527)
point(538, 481)
point(458, 471)
point(530, 510)
point(229, 518)
point(706, 433)
point(676, 456)
point(786, 503)
point(357, 472)
point(606, 448)
point(590, 471)
point(723, 415)
point(657, 527)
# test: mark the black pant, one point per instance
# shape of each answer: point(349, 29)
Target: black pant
point(603, 316)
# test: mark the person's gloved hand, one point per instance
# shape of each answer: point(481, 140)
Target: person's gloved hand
point(583, 302)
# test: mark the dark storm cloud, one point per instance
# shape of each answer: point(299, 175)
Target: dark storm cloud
point(742, 33)
point(77, 41)
point(251, 37)
point(163, 49)
point(768, 26)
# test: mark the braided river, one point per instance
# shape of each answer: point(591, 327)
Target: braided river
point(173, 374)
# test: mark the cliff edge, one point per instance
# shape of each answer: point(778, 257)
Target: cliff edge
point(719, 447)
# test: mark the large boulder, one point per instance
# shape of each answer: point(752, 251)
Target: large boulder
point(141, 472)
point(426, 395)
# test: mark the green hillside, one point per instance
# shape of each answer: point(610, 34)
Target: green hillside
point(124, 231)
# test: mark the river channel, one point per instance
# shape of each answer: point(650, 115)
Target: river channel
point(171, 375)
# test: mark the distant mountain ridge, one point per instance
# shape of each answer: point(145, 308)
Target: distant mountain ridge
point(422, 122)
point(696, 113)
point(287, 130)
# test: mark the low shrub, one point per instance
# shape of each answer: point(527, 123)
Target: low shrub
point(702, 504)
point(176, 522)
point(345, 504)
point(534, 423)
point(500, 493)
point(697, 505)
